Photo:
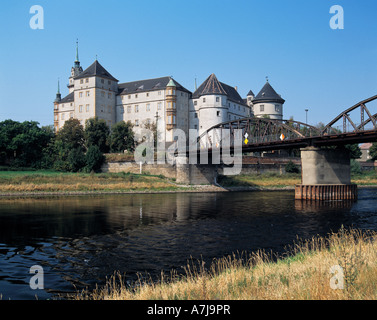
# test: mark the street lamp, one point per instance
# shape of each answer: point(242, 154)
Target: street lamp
point(306, 110)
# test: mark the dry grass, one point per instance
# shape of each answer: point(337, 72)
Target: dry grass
point(261, 180)
point(305, 275)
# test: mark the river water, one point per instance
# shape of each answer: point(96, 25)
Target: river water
point(81, 240)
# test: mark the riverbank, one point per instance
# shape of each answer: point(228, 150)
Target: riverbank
point(44, 183)
point(338, 267)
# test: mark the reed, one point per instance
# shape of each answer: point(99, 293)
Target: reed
point(302, 273)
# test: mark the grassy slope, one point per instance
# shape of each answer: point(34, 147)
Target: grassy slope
point(49, 181)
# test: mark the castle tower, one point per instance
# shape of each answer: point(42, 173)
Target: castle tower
point(268, 103)
point(249, 101)
point(75, 70)
point(56, 107)
point(171, 103)
point(95, 91)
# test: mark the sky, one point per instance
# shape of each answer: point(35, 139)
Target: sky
point(311, 65)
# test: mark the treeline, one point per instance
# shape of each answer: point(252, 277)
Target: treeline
point(72, 148)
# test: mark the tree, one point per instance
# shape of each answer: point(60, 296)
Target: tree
point(94, 159)
point(69, 147)
point(97, 134)
point(22, 144)
point(71, 134)
point(373, 151)
point(122, 137)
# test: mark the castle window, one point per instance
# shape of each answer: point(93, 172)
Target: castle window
point(135, 96)
point(217, 99)
point(277, 108)
point(88, 93)
point(147, 94)
point(80, 108)
point(148, 107)
point(218, 113)
point(195, 115)
point(80, 94)
point(71, 115)
point(121, 109)
point(196, 126)
point(81, 81)
point(136, 123)
point(261, 108)
point(129, 96)
point(136, 108)
point(159, 93)
point(128, 109)
point(204, 99)
point(87, 108)
point(195, 103)
point(87, 80)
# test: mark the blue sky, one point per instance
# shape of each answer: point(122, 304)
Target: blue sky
point(242, 41)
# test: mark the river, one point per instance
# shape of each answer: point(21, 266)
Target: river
point(81, 240)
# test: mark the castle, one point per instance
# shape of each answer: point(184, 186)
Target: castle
point(94, 92)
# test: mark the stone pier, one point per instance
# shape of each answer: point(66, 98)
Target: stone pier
point(326, 175)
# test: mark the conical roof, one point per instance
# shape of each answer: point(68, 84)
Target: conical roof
point(210, 86)
point(213, 86)
point(95, 69)
point(268, 94)
point(171, 83)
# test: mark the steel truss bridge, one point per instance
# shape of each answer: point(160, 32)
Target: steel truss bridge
point(357, 124)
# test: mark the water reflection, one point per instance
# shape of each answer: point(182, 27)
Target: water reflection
point(81, 240)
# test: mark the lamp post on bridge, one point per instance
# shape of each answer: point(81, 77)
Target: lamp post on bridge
point(306, 111)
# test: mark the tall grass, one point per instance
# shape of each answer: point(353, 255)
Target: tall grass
point(303, 273)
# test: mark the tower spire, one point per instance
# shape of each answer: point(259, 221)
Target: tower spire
point(58, 95)
point(77, 50)
point(77, 62)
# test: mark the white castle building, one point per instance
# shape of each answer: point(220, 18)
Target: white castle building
point(94, 92)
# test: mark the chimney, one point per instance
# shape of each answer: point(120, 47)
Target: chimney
point(236, 88)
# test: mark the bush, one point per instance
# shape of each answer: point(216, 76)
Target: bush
point(355, 167)
point(291, 168)
point(94, 159)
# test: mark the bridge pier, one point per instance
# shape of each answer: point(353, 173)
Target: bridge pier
point(325, 175)
point(195, 174)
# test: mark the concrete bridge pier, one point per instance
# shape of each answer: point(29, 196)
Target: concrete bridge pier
point(195, 174)
point(326, 175)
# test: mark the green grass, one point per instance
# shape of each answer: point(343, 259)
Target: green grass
point(52, 181)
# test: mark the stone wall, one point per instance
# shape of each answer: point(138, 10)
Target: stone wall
point(199, 174)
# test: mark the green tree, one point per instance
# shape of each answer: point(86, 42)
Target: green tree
point(97, 134)
point(373, 151)
point(22, 144)
point(69, 147)
point(94, 159)
point(122, 137)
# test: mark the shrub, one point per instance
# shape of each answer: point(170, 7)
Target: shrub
point(291, 168)
point(94, 159)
